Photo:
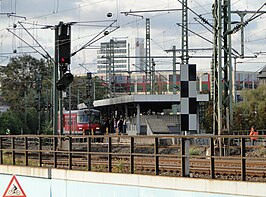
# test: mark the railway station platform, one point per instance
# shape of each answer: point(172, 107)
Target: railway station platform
point(142, 110)
point(48, 182)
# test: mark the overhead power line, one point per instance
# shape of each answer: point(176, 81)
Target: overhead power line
point(145, 11)
point(204, 20)
point(48, 55)
point(255, 15)
point(26, 43)
point(96, 38)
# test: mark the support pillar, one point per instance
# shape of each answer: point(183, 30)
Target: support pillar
point(138, 119)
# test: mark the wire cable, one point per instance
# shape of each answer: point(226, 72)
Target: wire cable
point(48, 55)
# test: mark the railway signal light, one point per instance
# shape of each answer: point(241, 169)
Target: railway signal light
point(64, 82)
point(64, 44)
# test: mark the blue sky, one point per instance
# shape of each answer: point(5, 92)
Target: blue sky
point(88, 13)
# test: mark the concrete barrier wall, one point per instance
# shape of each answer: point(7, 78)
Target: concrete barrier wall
point(43, 182)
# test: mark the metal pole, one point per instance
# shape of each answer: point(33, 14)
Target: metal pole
point(55, 91)
point(214, 78)
point(152, 76)
point(242, 15)
point(78, 96)
point(128, 67)
point(94, 92)
point(51, 104)
point(25, 115)
point(200, 83)
point(147, 55)
point(39, 89)
point(235, 85)
point(112, 54)
point(138, 119)
point(174, 70)
point(230, 68)
point(110, 71)
point(61, 95)
point(184, 57)
point(107, 69)
point(220, 90)
point(39, 123)
point(69, 108)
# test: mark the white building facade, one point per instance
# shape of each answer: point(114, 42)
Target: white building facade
point(112, 57)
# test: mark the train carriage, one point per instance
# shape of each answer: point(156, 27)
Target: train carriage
point(82, 122)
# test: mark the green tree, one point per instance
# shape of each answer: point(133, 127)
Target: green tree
point(19, 89)
point(252, 110)
point(11, 120)
point(100, 88)
point(79, 89)
point(207, 120)
point(18, 80)
point(249, 112)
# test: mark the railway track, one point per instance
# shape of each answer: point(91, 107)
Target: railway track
point(167, 166)
point(114, 156)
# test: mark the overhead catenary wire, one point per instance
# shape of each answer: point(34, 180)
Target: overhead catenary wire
point(198, 15)
point(48, 55)
point(94, 39)
point(206, 22)
point(245, 23)
point(26, 43)
point(121, 3)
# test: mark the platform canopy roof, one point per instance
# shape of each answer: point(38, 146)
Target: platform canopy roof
point(162, 98)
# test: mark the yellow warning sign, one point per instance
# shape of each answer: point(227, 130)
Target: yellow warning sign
point(14, 189)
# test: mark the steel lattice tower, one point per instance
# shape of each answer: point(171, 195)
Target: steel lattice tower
point(185, 57)
point(222, 68)
point(148, 69)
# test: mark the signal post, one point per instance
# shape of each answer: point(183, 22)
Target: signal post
point(62, 61)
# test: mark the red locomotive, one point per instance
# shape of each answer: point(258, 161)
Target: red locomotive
point(82, 122)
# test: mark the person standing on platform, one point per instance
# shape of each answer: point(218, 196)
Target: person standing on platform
point(125, 125)
point(107, 126)
point(115, 125)
point(253, 131)
point(120, 125)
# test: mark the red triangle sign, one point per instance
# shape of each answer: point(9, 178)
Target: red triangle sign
point(14, 189)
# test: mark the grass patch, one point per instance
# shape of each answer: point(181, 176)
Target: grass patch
point(119, 166)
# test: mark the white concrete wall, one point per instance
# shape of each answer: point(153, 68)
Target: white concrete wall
point(43, 182)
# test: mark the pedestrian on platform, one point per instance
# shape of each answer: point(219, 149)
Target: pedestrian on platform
point(120, 125)
point(107, 126)
point(115, 125)
point(253, 132)
point(124, 125)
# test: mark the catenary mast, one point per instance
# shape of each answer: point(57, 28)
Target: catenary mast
point(222, 68)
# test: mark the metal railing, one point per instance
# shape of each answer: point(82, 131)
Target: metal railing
point(184, 156)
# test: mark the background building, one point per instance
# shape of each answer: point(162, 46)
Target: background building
point(262, 76)
point(125, 75)
point(135, 82)
point(139, 53)
point(112, 57)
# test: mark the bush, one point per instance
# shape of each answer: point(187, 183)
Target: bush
point(194, 151)
point(10, 120)
point(47, 128)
